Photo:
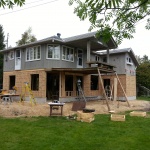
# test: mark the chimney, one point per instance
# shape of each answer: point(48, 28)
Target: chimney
point(58, 34)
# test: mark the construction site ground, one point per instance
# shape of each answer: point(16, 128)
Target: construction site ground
point(17, 109)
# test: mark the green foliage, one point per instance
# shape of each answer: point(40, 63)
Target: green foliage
point(27, 37)
point(11, 3)
point(115, 16)
point(143, 72)
point(58, 133)
point(2, 46)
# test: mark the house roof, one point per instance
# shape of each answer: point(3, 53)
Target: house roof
point(119, 51)
point(96, 44)
point(75, 41)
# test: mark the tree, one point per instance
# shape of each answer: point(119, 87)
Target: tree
point(115, 18)
point(2, 46)
point(11, 3)
point(143, 73)
point(27, 37)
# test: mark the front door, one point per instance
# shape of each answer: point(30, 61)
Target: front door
point(52, 91)
point(17, 60)
point(80, 59)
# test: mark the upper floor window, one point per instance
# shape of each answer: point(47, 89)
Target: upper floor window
point(53, 52)
point(105, 59)
point(11, 55)
point(97, 58)
point(68, 53)
point(33, 53)
point(129, 61)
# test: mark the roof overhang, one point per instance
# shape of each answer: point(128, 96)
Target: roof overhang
point(96, 44)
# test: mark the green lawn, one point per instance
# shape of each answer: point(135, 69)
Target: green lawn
point(58, 133)
point(143, 98)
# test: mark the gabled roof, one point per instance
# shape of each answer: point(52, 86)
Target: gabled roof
point(75, 41)
point(119, 51)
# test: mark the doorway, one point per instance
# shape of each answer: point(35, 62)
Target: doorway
point(17, 60)
point(80, 58)
point(107, 87)
point(12, 80)
point(52, 90)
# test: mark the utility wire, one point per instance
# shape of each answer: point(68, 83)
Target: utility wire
point(28, 7)
point(24, 5)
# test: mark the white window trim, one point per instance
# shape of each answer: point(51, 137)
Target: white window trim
point(47, 51)
point(73, 53)
point(33, 53)
point(129, 62)
point(9, 55)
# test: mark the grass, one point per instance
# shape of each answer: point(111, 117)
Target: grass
point(143, 98)
point(58, 133)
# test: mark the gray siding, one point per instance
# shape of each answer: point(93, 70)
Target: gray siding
point(9, 65)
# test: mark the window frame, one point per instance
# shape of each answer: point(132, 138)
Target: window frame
point(11, 55)
point(64, 54)
point(53, 53)
point(129, 61)
point(33, 53)
point(97, 58)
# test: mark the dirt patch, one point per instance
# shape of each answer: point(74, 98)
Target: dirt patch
point(16, 109)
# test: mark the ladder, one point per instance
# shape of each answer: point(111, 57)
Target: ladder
point(81, 93)
point(26, 89)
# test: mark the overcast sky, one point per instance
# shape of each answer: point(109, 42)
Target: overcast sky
point(49, 17)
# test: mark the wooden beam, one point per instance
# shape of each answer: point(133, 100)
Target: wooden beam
point(101, 81)
point(115, 89)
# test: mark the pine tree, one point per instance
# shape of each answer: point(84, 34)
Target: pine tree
point(2, 46)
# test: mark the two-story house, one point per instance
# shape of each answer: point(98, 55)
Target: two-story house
point(53, 66)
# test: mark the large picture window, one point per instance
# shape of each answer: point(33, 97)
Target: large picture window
point(33, 53)
point(53, 52)
point(68, 53)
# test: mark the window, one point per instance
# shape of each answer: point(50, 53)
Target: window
point(53, 52)
point(97, 58)
point(11, 55)
point(33, 53)
point(35, 82)
point(94, 82)
point(129, 61)
point(105, 59)
point(68, 54)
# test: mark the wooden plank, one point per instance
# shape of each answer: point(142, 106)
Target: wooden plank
point(115, 117)
point(101, 81)
point(115, 89)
